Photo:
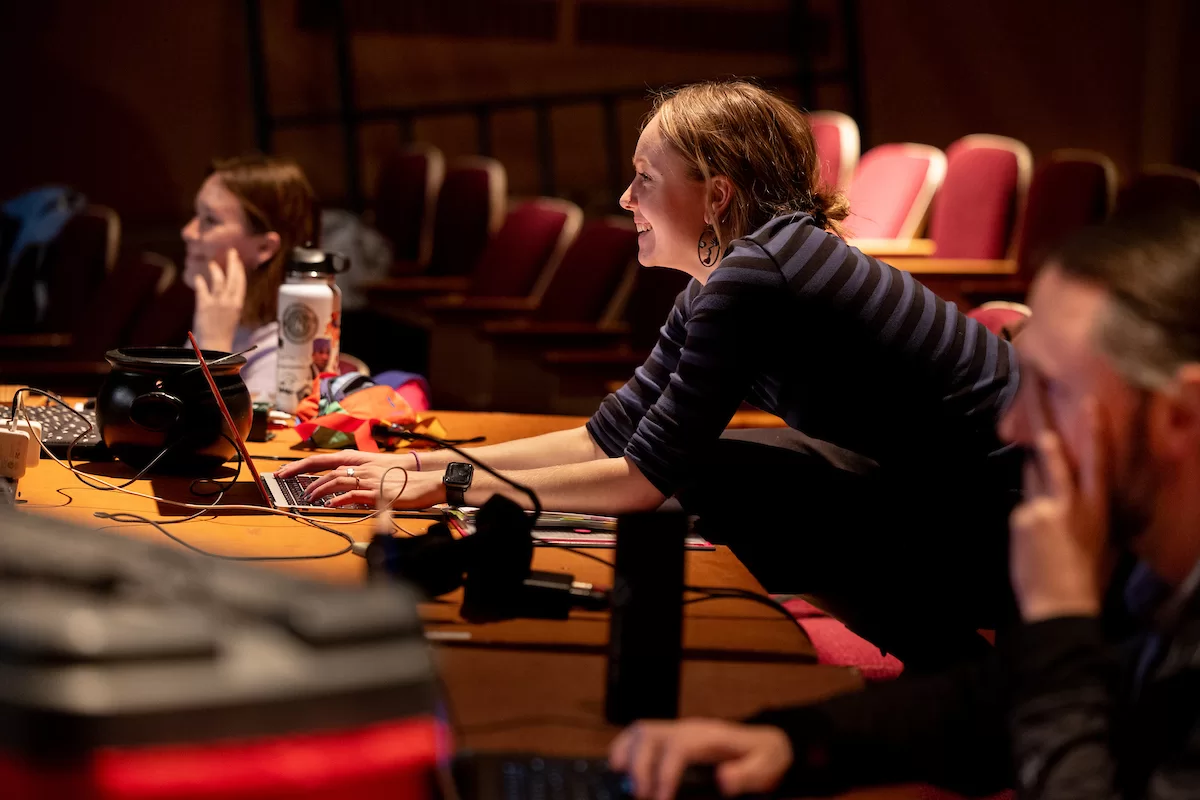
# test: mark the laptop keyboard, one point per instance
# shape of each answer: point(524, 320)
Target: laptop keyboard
point(293, 489)
point(524, 776)
point(535, 778)
point(60, 427)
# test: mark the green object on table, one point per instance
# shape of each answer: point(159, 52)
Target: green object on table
point(328, 437)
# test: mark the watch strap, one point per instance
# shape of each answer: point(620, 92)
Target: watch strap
point(456, 496)
point(456, 493)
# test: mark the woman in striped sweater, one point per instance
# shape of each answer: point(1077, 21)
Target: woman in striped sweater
point(885, 490)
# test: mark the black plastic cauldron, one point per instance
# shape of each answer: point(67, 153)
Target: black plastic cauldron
point(157, 397)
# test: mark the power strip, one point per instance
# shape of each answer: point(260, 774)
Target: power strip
point(34, 431)
point(14, 453)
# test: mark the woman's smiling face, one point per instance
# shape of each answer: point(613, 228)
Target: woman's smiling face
point(668, 204)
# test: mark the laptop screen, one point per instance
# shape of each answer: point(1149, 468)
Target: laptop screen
point(238, 441)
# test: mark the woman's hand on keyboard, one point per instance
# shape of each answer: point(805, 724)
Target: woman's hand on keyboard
point(749, 759)
point(360, 483)
point(342, 458)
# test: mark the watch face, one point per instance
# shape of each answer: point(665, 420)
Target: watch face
point(458, 473)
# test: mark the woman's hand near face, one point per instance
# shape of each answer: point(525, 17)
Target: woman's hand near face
point(219, 303)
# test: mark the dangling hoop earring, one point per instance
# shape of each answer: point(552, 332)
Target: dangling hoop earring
point(708, 248)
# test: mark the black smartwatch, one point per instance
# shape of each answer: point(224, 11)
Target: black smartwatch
point(457, 480)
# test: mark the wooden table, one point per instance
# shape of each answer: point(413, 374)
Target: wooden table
point(519, 684)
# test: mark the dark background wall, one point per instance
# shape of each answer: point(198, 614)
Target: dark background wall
point(129, 99)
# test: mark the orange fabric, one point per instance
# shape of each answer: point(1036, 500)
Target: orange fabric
point(361, 410)
point(310, 406)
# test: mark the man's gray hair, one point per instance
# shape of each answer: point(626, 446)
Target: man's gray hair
point(1150, 267)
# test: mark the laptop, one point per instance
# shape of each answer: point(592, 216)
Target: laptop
point(287, 494)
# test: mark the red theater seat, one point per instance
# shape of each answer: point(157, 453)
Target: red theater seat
point(514, 273)
point(405, 198)
point(836, 136)
point(470, 210)
point(1160, 186)
point(521, 259)
point(1073, 189)
point(975, 212)
point(892, 190)
point(1070, 190)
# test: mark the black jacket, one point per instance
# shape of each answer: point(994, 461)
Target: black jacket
point(1062, 710)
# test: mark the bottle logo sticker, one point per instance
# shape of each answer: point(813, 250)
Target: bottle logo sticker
point(299, 323)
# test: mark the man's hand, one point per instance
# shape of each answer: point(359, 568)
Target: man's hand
point(219, 306)
point(1059, 542)
point(750, 759)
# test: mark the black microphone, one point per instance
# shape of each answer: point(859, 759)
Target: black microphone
point(493, 564)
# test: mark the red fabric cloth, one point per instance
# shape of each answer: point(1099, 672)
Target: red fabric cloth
point(414, 393)
point(975, 209)
point(838, 646)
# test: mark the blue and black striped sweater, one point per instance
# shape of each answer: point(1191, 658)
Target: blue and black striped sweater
point(839, 345)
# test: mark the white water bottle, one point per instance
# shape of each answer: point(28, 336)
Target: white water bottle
point(310, 319)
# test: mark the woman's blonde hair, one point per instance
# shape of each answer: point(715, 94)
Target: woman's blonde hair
point(758, 140)
point(275, 197)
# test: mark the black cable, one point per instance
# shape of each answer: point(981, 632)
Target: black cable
point(71, 447)
point(127, 517)
point(222, 488)
point(137, 518)
point(708, 592)
point(424, 437)
point(51, 396)
point(722, 593)
point(191, 517)
point(580, 553)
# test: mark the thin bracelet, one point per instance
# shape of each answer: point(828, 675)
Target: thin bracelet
point(416, 459)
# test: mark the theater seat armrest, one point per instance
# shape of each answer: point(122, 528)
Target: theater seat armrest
point(610, 356)
point(53, 368)
point(518, 328)
point(539, 337)
point(880, 248)
point(9, 342)
point(459, 302)
point(950, 267)
point(419, 284)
